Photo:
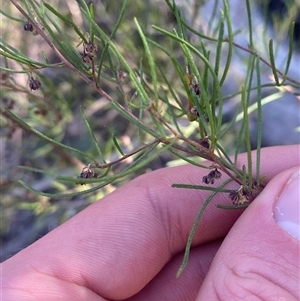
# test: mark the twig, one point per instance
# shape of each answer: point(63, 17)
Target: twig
point(107, 165)
point(94, 74)
point(264, 61)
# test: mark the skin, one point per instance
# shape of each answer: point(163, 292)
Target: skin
point(130, 244)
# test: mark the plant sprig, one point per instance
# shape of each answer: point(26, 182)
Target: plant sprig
point(181, 114)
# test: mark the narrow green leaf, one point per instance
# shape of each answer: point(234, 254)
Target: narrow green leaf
point(92, 15)
point(239, 138)
point(170, 110)
point(117, 145)
point(205, 72)
point(244, 206)
point(176, 65)
point(91, 132)
point(249, 23)
point(171, 90)
point(140, 108)
point(192, 48)
point(247, 134)
point(63, 195)
point(272, 61)
point(85, 6)
point(106, 44)
point(259, 120)
point(13, 53)
point(41, 135)
point(291, 51)
point(134, 121)
point(191, 29)
point(19, 59)
point(2, 12)
point(216, 88)
point(224, 153)
point(219, 43)
point(230, 41)
point(245, 174)
point(143, 160)
point(45, 58)
point(66, 20)
point(150, 60)
point(213, 15)
point(191, 160)
point(42, 9)
point(201, 187)
point(29, 10)
point(195, 226)
point(158, 125)
point(120, 18)
point(11, 70)
point(73, 57)
point(252, 108)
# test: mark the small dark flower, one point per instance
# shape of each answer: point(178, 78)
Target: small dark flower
point(216, 174)
point(247, 193)
point(89, 49)
point(207, 180)
point(234, 196)
point(210, 178)
point(196, 89)
point(204, 142)
point(87, 173)
point(28, 27)
point(85, 58)
point(240, 196)
point(34, 84)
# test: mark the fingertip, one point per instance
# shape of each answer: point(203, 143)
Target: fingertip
point(258, 257)
point(286, 208)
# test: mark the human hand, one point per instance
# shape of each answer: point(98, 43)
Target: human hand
point(130, 244)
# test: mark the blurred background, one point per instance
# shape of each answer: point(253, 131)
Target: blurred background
point(55, 108)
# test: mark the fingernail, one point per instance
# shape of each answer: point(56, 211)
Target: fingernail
point(286, 212)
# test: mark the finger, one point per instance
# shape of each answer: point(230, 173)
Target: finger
point(116, 246)
point(165, 286)
point(259, 259)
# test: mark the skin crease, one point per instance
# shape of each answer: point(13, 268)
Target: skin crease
point(129, 245)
